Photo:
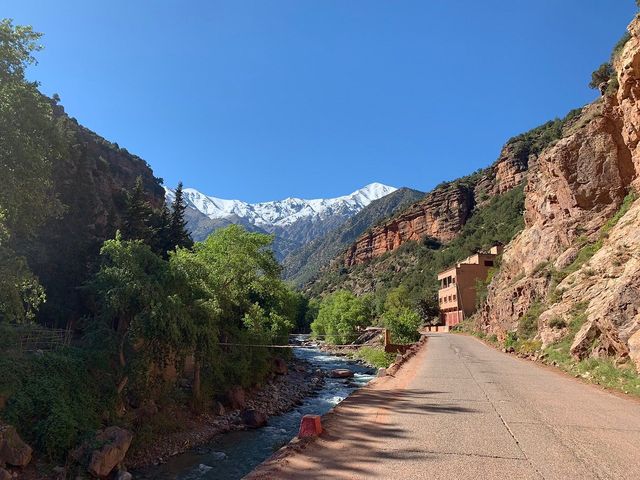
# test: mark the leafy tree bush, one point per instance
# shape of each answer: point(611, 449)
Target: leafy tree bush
point(55, 399)
point(601, 75)
point(340, 316)
point(403, 323)
point(30, 142)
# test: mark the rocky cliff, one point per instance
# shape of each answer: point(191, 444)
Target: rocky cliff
point(440, 216)
point(442, 213)
point(577, 261)
point(90, 180)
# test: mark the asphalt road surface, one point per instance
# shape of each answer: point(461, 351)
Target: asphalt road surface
point(460, 409)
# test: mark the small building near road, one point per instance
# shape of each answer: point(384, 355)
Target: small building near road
point(457, 292)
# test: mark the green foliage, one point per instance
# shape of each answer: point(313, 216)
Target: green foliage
point(138, 219)
point(511, 340)
point(528, 323)
point(340, 317)
point(178, 234)
point(55, 400)
point(595, 370)
point(375, 356)
point(629, 199)
point(403, 323)
point(30, 142)
point(557, 323)
point(226, 290)
point(536, 140)
point(602, 74)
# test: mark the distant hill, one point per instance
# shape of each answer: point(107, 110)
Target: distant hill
point(302, 265)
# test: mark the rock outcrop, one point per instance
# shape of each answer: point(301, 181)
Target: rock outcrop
point(576, 259)
point(440, 215)
point(115, 442)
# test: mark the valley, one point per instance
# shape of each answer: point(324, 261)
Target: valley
point(150, 330)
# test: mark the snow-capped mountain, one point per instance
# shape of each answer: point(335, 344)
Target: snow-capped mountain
point(293, 221)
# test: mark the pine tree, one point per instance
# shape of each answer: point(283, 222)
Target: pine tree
point(179, 236)
point(138, 220)
point(162, 224)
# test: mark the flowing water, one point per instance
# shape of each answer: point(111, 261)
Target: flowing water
point(232, 455)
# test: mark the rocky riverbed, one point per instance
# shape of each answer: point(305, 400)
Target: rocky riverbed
point(278, 395)
point(237, 452)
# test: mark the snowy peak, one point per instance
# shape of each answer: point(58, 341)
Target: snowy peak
point(283, 212)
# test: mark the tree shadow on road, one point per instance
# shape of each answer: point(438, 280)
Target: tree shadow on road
point(360, 433)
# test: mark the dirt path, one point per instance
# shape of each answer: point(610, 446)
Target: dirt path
point(460, 409)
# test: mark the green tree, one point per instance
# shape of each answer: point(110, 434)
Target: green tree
point(603, 74)
point(178, 233)
point(340, 317)
point(138, 219)
point(403, 323)
point(30, 141)
point(132, 289)
point(232, 293)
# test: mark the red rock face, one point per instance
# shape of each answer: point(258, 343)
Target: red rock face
point(440, 215)
point(443, 212)
point(576, 186)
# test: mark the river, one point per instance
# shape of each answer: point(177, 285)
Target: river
point(232, 455)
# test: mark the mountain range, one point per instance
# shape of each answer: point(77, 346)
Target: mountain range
point(293, 222)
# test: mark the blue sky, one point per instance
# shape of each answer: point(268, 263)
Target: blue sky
point(261, 100)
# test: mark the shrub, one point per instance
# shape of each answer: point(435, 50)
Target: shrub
point(528, 323)
point(340, 316)
point(511, 340)
point(55, 400)
point(602, 74)
point(376, 357)
point(403, 324)
point(557, 323)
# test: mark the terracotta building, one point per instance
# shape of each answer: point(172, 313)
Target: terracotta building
point(457, 293)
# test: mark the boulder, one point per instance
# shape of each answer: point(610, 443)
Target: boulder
point(236, 398)
point(253, 418)
point(280, 366)
point(13, 450)
point(218, 409)
point(115, 442)
point(4, 475)
point(123, 475)
point(341, 373)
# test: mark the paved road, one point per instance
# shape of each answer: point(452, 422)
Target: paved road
point(460, 409)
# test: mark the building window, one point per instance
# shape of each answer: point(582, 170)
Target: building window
point(488, 263)
point(454, 298)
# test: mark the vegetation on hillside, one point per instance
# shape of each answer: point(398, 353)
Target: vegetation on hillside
point(304, 263)
point(414, 266)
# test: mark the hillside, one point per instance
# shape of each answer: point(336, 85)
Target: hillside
point(90, 180)
point(449, 223)
point(303, 264)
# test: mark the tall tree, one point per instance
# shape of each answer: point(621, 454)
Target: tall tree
point(29, 141)
point(178, 234)
point(138, 220)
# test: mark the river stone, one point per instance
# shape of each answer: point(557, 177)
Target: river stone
point(13, 450)
point(115, 443)
point(253, 418)
point(236, 398)
point(341, 373)
point(280, 366)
